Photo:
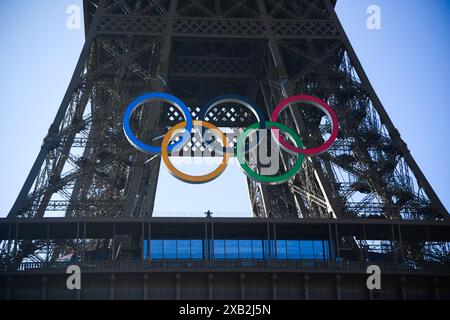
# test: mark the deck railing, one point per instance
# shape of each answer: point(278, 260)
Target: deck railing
point(229, 266)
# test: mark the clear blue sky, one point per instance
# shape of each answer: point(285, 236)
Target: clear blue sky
point(407, 62)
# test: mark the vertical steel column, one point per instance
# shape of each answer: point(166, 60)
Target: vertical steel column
point(142, 169)
point(83, 248)
point(113, 245)
point(16, 242)
point(306, 285)
point(331, 246)
point(207, 246)
point(78, 241)
point(371, 295)
point(44, 280)
point(146, 277)
point(149, 239)
point(78, 295)
point(47, 258)
point(403, 287)
point(338, 249)
point(437, 295)
point(365, 254)
point(275, 241)
point(112, 287)
point(163, 71)
point(210, 286)
point(142, 241)
point(338, 287)
point(275, 287)
point(242, 286)
point(394, 246)
point(272, 43)
point(267, 254)
point(325, 186)
point(9, 284)
point(211, 243)
point(400, 239)
point(178, 286)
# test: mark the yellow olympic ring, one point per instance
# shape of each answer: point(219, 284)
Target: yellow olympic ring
point(183, 176)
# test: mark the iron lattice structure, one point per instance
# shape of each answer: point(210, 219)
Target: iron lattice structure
point(197, 49)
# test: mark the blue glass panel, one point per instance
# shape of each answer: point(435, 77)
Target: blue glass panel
point(219, 249)
point(232, 249)
point(326, 249)
point(145, 249)
point(306, 250)
point(196, 249)
point(184, 249)
point(293, 249)
point(318, 250)
point(170, 249)
point(281, 249)
point(245, 249)
point(268, 249)
point(257, 249)
point(238, 249)
point(156, 250)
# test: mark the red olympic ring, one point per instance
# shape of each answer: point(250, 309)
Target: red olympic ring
point(312, 101)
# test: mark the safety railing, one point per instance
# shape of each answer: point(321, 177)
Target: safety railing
point(229, 265)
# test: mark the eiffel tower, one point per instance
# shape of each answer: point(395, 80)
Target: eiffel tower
point(363, 202)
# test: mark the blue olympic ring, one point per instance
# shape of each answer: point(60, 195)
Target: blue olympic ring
point(156, 96)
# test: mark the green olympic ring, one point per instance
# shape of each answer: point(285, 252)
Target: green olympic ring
point(271, 180)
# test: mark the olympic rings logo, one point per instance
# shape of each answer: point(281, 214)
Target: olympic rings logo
point(289, 141)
